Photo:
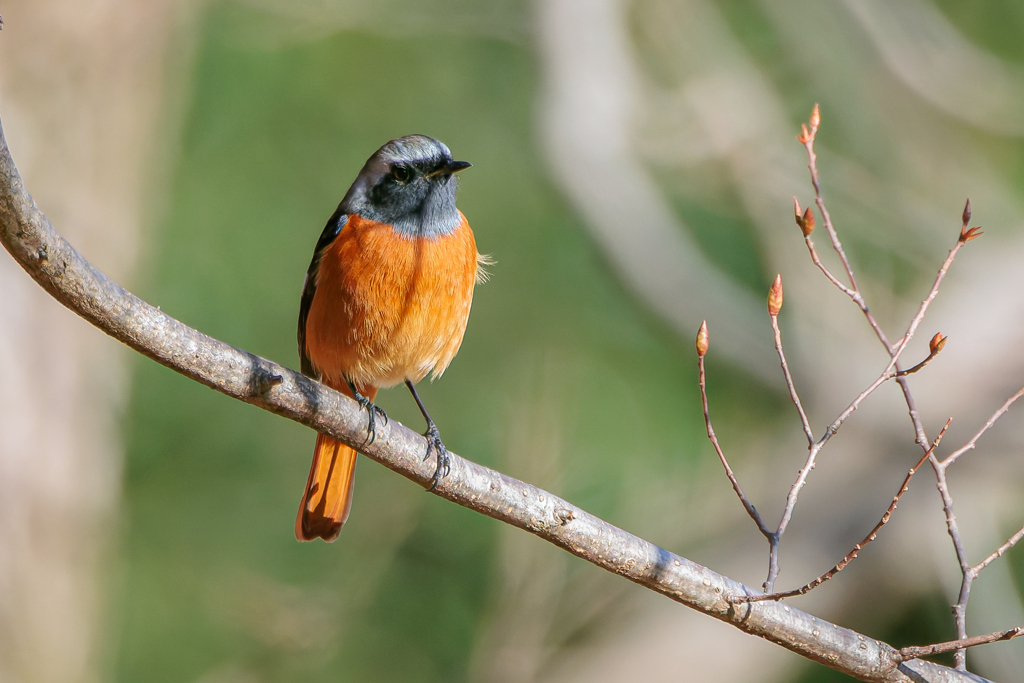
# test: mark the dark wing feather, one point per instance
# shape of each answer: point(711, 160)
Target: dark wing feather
point(327, 237)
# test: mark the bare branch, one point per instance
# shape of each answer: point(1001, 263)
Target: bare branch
point(943, 269)
point(939, 468)
point(852, 293)
point(939, 648)
point(812, 165)
point(702, 343)
point(812, 454)
point(970, 573)
point(960, 608)
point(774, 312)
point(934, 348)
point(952, 457)
point(807, 139)
point(999, 552)
point(860, 546)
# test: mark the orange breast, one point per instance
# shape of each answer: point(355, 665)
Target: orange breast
point(389, 307)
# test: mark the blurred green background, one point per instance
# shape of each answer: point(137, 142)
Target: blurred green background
point(577, 372)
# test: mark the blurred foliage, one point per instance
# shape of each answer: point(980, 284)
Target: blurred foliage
point(997, 26)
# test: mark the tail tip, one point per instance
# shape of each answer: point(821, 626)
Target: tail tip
point(310, 530)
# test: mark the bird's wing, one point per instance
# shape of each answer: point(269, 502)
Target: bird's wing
point(327, 237)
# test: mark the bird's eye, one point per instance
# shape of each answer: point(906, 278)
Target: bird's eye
point(401, 173)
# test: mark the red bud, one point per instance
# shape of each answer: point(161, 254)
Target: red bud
point(807, 223)
point(967, 211)
point(937, 342)
point(815, 117)
point(968, 235)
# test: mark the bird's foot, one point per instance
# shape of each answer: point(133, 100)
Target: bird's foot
point(435, 444)
point(372, 412)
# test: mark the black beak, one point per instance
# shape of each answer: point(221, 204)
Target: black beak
point(451, 168)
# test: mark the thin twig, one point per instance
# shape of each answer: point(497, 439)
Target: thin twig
point(812, 166)
point(969, 575)
point(812, 455)
point(960, 608)
point(807, 139)
point(789, 382)
point(935, 347)
point(751, 510)
point(952, 457)
point(829, 432)
point(999, 552)
point(860, 546)
point(854, 295)
point(921, 437)
point(926, 650)
point(892, 368)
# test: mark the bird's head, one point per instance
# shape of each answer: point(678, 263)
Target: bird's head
point(408, 183)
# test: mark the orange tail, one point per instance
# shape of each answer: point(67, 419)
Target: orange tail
point(327, 498)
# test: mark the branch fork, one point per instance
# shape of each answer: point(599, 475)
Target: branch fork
point(805, 220)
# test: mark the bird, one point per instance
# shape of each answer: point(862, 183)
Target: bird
point(386, 300)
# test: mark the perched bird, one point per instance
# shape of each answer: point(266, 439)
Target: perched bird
point(386, 300)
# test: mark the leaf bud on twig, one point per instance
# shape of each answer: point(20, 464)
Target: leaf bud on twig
point(815, 116)
point(798, 212)
point(807, 222)
point(967, 212)
point(775, 297)
point(702, 339)
point(805, 135)
point(936, 344)
point(968, 235)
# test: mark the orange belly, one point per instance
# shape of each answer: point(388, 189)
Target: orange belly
point(389, 307)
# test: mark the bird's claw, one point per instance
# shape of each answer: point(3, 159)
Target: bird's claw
point(372, 411)
point(443, 467)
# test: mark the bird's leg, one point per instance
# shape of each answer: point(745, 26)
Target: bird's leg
point(372, 411)
point(434, 442)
